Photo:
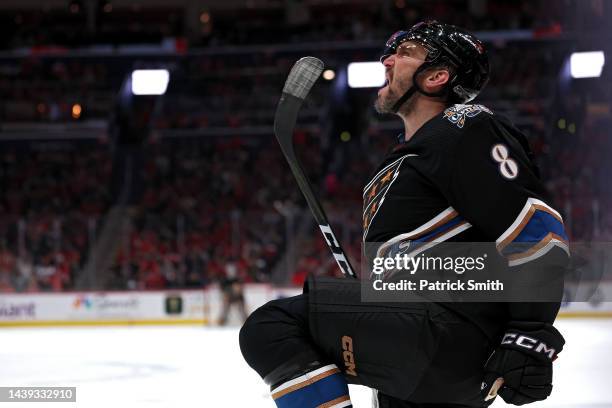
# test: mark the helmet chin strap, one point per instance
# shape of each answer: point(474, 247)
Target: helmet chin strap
point(411, 91)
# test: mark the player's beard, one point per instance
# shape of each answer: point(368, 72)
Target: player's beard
point(384, 103)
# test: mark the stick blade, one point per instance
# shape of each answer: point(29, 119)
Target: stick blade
point(302, 77)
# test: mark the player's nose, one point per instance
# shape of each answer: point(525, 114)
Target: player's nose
point(389, 61)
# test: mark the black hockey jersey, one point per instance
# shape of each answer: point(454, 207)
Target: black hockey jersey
point(466, 175)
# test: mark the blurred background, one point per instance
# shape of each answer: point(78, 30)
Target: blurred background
point(106, 190)
point(121, 205)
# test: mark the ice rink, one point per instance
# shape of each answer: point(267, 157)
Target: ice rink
point(191, 367)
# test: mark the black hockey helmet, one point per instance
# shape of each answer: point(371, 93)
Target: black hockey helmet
point(450, 46)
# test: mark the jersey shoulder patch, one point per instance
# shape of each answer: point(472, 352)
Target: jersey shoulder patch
point(459, 114)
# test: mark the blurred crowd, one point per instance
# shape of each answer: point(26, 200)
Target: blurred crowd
point(213, 195)
point(34, 89)
point(83, 23)
point(53, 197)
point(231, 203)
point(209, 206)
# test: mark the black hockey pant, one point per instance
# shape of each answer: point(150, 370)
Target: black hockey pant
point(417, 355)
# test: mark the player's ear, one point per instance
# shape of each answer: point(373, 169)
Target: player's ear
point(436, 79)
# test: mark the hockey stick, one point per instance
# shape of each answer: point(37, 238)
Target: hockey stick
point(302, 77)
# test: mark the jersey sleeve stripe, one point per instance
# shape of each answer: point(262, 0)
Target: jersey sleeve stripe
point(444, 226)
point(441, 230)
point(459, 228)
point(538, 250)
point(536, 230)
point(524, 218)
point(416, 248)
point(539, 226)
point(445, 216)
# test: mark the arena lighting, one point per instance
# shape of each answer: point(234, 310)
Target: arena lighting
point(587, 64)
point(329, 74)
point(150, 81)
point(76, 111)
point(366, 74)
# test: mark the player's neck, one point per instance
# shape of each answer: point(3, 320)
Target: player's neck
point(423, 111)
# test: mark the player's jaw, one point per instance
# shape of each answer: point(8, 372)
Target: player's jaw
point(385, 97)
point(388, 95)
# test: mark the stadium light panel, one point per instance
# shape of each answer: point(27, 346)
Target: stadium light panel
point(587, 64)
point(366, 74)
point(150, 81)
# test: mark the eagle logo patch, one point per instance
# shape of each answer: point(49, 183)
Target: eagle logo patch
point(458, 114)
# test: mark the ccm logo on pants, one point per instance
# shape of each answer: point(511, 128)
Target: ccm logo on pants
point(348, 356)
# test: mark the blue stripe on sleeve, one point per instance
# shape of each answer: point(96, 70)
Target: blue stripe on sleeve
point(539, 226)
point(441, 229)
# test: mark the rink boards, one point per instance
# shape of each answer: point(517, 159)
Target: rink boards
point(178, 306)
point(126, 308)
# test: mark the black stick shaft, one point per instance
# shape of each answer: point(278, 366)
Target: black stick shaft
point(284, 123)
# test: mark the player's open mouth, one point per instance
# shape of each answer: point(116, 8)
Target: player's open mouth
point(387, 82)
point(389, 76)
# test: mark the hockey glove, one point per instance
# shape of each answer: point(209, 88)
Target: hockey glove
point(524, 361)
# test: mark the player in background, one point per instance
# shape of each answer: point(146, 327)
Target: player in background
point(460, 173)
point(232, 289)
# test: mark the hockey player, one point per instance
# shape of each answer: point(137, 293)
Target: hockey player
point(232, 288)
point(460, 173)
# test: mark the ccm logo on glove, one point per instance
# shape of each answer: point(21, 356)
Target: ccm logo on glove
point(528, 343)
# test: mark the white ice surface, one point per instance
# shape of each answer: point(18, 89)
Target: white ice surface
point(190, 367)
